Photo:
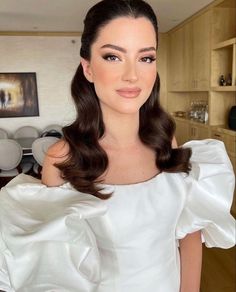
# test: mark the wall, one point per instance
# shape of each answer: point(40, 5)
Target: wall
point(54, 59)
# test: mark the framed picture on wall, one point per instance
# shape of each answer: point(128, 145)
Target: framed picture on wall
point(18, 95)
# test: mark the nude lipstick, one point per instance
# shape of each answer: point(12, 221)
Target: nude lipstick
point(129, 92)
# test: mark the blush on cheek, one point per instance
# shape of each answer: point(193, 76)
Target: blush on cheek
point(104, 75)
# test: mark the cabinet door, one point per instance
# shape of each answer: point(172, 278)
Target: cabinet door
point(176, 60)
point(203, 133)
point(233, 161)
point(193, 132)
point(198, 132)
point(201, 52)
point(230, 144)
point(182, 130)
point(217, 135)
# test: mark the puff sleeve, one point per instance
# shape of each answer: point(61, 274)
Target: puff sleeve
point(209, 195)
point(47, 244)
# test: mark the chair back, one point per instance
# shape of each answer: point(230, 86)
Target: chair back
point(55, 127)
point(26, 131)
point(40, 147)
point(10, 154)
point(3, 134)
point(52, 130)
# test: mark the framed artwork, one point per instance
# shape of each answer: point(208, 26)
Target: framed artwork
point(18, 95)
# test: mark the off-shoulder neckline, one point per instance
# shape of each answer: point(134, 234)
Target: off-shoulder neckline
point(112, 185)
point(147, 181)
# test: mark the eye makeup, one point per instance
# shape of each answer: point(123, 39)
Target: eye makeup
point(148, 59)
point(110, 57)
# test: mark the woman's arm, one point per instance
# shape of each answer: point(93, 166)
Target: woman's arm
point(190, 258)
point(191, 262)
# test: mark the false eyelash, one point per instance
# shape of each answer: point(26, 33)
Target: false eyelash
point(106, 56)
point(152, 59)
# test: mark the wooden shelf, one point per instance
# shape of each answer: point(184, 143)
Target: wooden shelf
point(224, 129)
point(223, 88)
point(192, 122)
point(225, 44)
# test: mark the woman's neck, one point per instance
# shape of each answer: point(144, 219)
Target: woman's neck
point(121, 131)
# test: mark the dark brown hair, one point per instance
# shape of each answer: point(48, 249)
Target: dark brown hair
point(87, 160)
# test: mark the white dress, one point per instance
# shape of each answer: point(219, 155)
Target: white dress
point(57, 239)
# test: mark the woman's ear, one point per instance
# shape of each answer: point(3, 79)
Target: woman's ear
point(87, 69)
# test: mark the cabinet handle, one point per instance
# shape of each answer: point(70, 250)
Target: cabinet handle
point(217, 135)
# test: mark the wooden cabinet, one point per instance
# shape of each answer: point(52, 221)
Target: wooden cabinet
point(224, 63)
point(189, 55)
point(198, 132)
point(207, 50)
point(233, 161)
point(229, 139)
point(216, 134)
point(226, 136)
point(187, 130)
point(182, 131)
point(200, 65)
point(200, 51)
point(176, 68)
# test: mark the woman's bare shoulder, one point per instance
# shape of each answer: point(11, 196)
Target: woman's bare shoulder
point(57, 153)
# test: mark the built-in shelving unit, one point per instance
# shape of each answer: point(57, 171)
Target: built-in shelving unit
point(223, 63)
point(200, 50)
point(208, 39)
point(224, 88)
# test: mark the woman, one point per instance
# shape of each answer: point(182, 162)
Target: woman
point(118, 208)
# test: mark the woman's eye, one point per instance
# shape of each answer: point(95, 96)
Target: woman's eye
point(148, 59)
point(111, 58)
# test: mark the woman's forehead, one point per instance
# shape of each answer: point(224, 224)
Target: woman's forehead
point(127, 30)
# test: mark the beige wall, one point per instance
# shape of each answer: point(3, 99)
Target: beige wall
point(54, 59)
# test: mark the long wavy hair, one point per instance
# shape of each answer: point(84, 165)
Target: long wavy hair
point(87, 160)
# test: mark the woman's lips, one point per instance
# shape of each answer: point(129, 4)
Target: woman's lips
point(129, 92)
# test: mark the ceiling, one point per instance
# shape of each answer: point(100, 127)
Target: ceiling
point(68, 15)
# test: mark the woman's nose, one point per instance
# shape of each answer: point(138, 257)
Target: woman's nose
point(130, 72)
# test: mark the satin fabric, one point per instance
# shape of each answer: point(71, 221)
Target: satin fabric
point(58, 239)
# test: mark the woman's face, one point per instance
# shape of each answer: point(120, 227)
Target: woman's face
point(122, 65)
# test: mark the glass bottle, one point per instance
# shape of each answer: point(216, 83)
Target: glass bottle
point(206, 114)
point(222, 81)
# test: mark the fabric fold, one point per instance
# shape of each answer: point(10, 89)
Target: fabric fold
point(209, 195)
point(46, 226)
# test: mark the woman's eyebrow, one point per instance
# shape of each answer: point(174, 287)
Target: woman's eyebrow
point(114, 47)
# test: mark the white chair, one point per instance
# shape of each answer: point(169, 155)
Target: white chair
point(25, 132)
point(39, 150)
point(3, 134)
point(52, 130)
point(10, 161)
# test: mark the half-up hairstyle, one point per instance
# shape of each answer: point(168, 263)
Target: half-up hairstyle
point(87, 160)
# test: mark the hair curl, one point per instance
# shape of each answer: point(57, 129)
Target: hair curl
point(87, 160)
